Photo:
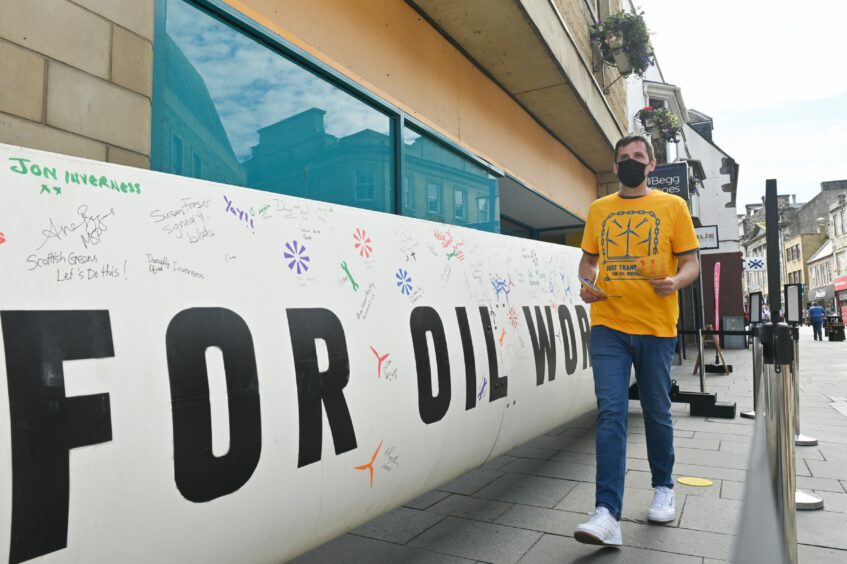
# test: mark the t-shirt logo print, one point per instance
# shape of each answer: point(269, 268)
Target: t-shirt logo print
point(626, 237)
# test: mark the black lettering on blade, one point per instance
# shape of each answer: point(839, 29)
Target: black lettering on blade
point(45, 424)
point(543, 343)
point(316, 389)
point(200, 475)
point(422, 321)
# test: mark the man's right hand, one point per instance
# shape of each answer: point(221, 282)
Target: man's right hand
point(588, 297)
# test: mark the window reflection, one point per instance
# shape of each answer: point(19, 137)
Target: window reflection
point(449, 185)
point(251, 117)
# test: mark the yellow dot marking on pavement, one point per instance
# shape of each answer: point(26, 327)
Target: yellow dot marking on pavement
point(697, 482)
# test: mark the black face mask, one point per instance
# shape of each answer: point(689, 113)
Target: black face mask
point(631, 172)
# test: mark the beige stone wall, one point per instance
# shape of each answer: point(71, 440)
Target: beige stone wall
point(578, 16)
point(77, 77)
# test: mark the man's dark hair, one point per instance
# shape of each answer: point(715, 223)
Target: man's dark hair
point(632, 139)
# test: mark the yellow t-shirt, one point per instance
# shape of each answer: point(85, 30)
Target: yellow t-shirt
point(637, 239)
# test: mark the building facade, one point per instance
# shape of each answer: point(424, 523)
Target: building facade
point(491, 116)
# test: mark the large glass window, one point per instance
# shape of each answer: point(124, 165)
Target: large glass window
point(452, 178)
point(252, 117)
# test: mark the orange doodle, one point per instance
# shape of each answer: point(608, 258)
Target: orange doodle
point(502, 336)
point(370, 465)
point(380, 359)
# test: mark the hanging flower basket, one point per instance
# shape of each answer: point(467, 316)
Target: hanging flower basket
point(659, 122)
point(624, 42)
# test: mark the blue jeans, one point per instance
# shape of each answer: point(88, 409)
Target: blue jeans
point(613, 353)
point(817, 325)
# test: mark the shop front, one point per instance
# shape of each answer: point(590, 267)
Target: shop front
point(824, 296)
point(840, 288)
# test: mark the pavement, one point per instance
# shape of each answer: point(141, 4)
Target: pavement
point(523, 506)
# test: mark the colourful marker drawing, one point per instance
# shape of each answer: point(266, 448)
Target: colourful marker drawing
point(363, 243)
point(297, 255)
point(370, 465)
point(504, 286)
point(482, 388)
point(446, 240)
point(380, 360)
point(404, 281)
point(513, 317)
point(349, 276)
point(242, 215)
point(502, 336)
point(2, 238)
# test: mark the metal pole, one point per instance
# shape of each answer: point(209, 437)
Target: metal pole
point(702, 360)
point(778, 397)
point(802, 500)
point(757, 371)
point(799, 439)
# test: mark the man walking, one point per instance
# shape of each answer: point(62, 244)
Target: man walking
point(816, 316)
point(639, 247)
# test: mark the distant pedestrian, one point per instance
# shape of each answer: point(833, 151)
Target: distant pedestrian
point(816, 316)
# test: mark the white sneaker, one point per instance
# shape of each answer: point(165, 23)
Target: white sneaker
point(601, 528)
point(662, 509)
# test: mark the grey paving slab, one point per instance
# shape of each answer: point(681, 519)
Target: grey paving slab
point(589, 459)
point(475, 508)
point(819, 555)
point(836, 502)
point(822, 528)
point(711, 458)
point(714, 435)
point(711, 514)
point(542, 519)
point(563, 470)
point(352, 549)
point(398, 526)
point(551, 549)
point(532, 452)
point(427, 499)
point(825, 484)
point(732, 490)
point(497, 463)
point(821, 469)
point(473, 481)
point(527, 490)
point(481, 541)
point(736, 447)
point(678, 540)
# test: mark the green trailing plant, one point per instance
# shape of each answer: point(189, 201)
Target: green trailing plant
point(661, 121)
point(624, 35)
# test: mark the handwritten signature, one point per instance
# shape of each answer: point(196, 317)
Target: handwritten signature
point(90, 228)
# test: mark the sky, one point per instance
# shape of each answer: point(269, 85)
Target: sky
point(772, 76)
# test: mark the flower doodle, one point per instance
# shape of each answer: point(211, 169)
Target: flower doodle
point(404, 282)
point(362, 243)
point(296, 255)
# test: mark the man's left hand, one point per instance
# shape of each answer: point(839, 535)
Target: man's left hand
point(664, 286)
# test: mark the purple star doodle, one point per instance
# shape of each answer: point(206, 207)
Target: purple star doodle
point(296, 255)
